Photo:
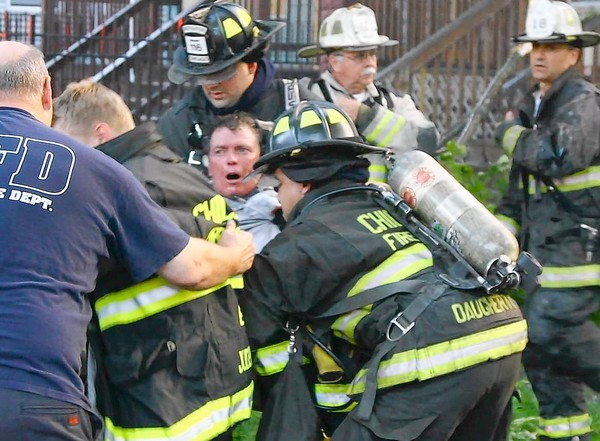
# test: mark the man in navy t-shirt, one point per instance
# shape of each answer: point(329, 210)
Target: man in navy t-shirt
point(64, 209)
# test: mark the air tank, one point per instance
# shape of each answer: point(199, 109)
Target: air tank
point(449, 209)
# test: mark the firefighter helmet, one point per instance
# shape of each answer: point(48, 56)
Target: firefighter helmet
point(309, 132)
point(214, 38)
point(555, 22)
point(352, 28)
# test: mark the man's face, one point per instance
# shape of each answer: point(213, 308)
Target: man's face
point(354, 70)
point(289, 192)
point(231, 155)
point(228, 92)
point(549, 60)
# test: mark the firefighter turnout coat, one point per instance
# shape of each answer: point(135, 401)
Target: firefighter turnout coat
point(553, 203)
point(342, 246)
point(171, 363)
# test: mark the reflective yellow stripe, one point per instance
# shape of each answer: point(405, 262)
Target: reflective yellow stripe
point(446, 357)
point(378, 173)
point(510, 138)
point(588, 178)
point(345, 325)
point(148, 298)
point(372, 137)
point(585, 179)
point(564, 427)
point(400, 265)
point(273, 359)
point(570, 277)
point(386, 129)
point(385, 142)
point(210, 420)
point(334, 396)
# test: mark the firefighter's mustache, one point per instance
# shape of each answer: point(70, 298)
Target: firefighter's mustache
point(369, 71)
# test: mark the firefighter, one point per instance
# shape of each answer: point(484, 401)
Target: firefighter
point(554, 200)
point(450, 376)
point(350, 40)
point(189, 375)
point(224, 50)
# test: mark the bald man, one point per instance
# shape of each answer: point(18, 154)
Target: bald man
point(65, 210)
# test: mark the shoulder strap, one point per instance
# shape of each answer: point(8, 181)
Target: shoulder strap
point(408, 318)
point(323, 87)
point(371, 296)
point(385, 97)
point(291, 93)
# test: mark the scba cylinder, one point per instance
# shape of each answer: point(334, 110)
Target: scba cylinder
point(450, 210)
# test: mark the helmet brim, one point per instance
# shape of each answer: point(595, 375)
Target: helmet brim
point(181, 70)
point(583, 39)
point(345, 147)
point(314, 50)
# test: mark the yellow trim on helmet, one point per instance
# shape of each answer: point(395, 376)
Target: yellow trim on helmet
point(336, 117)
point(282, 126)
point(244, 17)
point(309, 118)
point(231, 28)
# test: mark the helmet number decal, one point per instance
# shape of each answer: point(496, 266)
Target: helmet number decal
point(195, 43)
point(541, 19)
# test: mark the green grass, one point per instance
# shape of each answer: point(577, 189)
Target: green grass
point(246, 431)
point(523, 428)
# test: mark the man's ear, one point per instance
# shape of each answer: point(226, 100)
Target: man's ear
point(306, 188)
point(103, 132)
point(252, 67)
point(47, 94)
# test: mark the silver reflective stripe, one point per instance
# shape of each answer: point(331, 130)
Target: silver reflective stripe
point(272, 359)
point(400, 265)
point(566, 426)
point(141, 300)
point(331, 395)
point(570, 277)
point(446, 357)
point(210, 420)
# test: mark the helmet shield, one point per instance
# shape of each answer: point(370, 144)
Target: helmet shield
point(214, 38)
point(555, 22)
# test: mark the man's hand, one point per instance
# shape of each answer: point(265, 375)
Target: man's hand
point(241, 242)
point(350, 106)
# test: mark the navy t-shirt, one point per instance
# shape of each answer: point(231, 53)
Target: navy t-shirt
point(64, 207)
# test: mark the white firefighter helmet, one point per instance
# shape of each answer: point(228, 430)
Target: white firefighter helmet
point(551, 21)
point(353, 28)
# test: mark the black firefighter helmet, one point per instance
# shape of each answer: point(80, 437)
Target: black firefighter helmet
point(214, 38)
point(313, 141)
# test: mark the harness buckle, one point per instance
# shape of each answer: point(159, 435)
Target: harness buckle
point(292, 347)
point(404, 327)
